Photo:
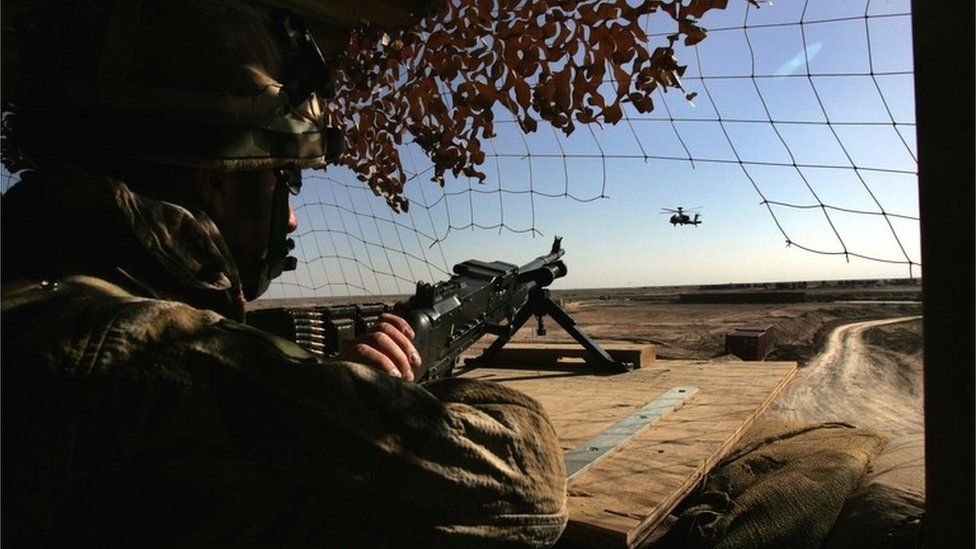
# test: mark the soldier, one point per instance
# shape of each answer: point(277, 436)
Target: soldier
point(138, 409)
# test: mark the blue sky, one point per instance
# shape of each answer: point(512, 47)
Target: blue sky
point(805, 75)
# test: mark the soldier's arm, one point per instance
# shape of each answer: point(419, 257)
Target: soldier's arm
point(351, 449)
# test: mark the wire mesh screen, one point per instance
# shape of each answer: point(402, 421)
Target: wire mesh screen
point(798, 145)
point(803, 119)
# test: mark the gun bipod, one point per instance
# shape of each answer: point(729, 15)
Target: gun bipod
point(540, 304)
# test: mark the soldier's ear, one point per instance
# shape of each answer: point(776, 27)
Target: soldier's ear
point(208, 187)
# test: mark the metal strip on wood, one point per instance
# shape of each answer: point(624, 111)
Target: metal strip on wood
point(597, 448)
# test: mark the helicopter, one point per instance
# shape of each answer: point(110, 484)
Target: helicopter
point(679, 217)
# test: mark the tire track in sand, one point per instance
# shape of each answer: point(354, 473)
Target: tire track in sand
point(854, 383)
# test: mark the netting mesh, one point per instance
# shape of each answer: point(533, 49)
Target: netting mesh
point(801, 131)
point(824, 141)
point(842, 128)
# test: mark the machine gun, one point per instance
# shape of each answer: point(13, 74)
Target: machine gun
point(448, 317)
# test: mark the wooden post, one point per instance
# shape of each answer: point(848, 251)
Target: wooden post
point(943, 48)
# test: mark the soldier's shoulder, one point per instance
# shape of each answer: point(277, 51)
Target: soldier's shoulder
point(84, 325)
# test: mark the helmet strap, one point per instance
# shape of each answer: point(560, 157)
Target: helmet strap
point(276, 260)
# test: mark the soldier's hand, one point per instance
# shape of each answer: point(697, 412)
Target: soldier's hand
point(387, 347)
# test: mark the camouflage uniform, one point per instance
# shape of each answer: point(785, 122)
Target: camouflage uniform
point(138, 411)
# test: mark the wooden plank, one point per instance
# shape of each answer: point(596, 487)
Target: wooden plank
point(544, 353)
point(384, 13)
point(617, 502)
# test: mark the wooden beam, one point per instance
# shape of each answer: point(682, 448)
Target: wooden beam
point(944, 81)
point(345, 14)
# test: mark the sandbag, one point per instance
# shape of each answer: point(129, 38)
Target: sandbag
point(782, 486)
point(885, 512)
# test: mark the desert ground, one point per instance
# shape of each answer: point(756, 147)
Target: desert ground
point(858, 345)
point(851, 369)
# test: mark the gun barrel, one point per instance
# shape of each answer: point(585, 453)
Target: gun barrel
point(544, 275)
point(549, 260)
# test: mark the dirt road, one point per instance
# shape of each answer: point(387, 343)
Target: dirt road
point(855, 382)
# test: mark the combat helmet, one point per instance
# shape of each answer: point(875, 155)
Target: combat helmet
point(217, 84)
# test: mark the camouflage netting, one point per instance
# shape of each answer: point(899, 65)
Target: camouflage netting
point(439, 83)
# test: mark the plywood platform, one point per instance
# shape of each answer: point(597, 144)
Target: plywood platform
point(616, 502)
